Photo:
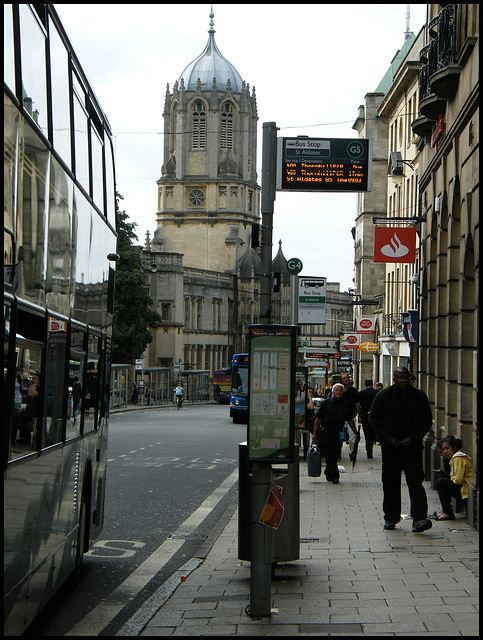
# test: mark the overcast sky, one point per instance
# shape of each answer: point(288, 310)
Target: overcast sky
point(311, 66)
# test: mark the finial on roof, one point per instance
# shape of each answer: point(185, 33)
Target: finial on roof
point(212, 24)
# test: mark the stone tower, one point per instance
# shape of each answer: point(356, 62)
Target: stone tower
point(208, 196)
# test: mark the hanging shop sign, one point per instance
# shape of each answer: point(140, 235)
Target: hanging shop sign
point(365, 324)
point(410, 324)
point(369, 347)
point(351, 341)
point(395, 244)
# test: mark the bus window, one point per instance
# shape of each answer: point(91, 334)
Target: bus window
point(55, 388)
point(77, 357)
point(91, 396)
point(27, 405)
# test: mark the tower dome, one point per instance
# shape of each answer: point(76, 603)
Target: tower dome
point(208, 65)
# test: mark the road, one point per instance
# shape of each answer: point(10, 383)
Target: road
point(171, 478)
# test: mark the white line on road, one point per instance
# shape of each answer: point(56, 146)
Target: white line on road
point(93, 623)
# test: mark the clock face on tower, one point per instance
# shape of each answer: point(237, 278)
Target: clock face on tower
point(196, 198)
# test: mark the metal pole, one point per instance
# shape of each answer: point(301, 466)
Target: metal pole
point(269, 163)
point(260, 537)
point(294, 283)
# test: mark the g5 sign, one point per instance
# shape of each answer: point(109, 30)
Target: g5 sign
point(324, 164)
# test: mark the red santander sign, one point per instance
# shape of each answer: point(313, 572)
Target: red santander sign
point(395, 244)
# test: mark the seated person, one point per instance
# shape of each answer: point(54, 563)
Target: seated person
point(454, 484)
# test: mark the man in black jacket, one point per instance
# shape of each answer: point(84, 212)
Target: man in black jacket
point(366, 398)
point(330, 419)
point(401, 416)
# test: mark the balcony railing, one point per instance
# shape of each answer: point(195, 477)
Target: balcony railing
point(392, 324)
point(439, 73)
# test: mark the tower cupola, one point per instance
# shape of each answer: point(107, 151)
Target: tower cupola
point(208, 65)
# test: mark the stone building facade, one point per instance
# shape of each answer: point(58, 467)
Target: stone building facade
point(430, 109)
point(448, 129)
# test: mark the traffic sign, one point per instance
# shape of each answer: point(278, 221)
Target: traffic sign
point(294, 266)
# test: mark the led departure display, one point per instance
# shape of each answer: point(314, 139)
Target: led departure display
point(323, 164)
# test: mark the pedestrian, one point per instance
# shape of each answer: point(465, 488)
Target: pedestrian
point(351, 395)
point(452, 484)
point(134, 393)
point(217, 393)
point(401, 416)
point(365, 399)
point(378, 386)
point(329, 421)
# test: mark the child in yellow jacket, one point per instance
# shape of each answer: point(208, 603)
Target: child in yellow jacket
point(454, 485)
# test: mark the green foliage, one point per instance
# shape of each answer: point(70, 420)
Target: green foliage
point(132, 305)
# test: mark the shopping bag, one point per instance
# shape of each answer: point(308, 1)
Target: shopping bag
point(314, 462)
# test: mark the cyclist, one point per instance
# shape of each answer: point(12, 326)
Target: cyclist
point(178, 395)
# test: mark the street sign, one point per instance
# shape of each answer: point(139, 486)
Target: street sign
point(312, 294)
point(294, 266)
point(324, 164)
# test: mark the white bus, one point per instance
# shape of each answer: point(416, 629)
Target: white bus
point(59, 259)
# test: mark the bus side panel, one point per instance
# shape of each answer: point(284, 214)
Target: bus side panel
point(47, 536)
point(20, 517)
point(98, 452)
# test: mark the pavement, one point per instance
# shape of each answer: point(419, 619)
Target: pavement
point(352, 578)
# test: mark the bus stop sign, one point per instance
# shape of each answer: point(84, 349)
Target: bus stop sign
point(324, 164)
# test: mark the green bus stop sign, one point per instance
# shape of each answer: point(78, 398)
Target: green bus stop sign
point(294, 266)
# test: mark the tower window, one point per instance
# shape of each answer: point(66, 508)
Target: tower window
point(226, 137)
point(199, 126)
point(196, 198)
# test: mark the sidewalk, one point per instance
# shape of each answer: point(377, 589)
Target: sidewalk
point(352, 577)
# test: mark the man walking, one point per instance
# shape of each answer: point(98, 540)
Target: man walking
point(351, 395)
point(365, 398)
point(401, 416)
point(329, 421)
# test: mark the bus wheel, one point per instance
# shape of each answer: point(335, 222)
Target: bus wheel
point(82, 534)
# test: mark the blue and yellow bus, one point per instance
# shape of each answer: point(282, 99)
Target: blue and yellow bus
point(239, 388)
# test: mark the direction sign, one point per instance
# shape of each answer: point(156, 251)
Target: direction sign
point(324, 164)
point(294, 266)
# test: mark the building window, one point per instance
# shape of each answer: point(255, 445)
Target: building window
point(199, 126)
point(226, 137)
point(196, 198)
point(166, 311)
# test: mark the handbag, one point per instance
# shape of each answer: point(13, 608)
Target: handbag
point(314, 462)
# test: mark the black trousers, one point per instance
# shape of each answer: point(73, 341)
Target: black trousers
point(369, 435)
point(409, 460)
point(447, 489)
point(329, 445)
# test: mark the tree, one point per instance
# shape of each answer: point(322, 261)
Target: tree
point(133, 315)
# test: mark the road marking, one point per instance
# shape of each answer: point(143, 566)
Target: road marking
point(95, 621)
point(115, 548)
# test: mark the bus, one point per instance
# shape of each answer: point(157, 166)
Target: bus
point(59, 271)
point(239, 388)
point(222, 379)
